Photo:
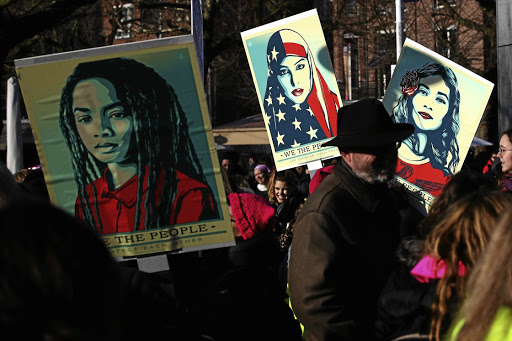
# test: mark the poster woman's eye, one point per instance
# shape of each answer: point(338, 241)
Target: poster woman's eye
point(117, 114)
point(284, 71)
point(441, 100)
point(84, 119)
point(300, 67)
point(423, 90)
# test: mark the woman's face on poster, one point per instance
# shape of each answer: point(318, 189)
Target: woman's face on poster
point(103, 123)
point(295, 78)
point(430, 103)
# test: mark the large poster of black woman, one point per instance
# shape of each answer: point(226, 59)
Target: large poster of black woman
point(125, 141)
point(296, 88)
point(444, 102)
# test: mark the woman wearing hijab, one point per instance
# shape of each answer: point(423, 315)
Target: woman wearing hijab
point(299, 106)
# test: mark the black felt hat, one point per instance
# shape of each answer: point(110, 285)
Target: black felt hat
point(366, 123)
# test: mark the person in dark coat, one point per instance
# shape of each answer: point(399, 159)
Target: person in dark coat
point(347, 232)
point(238, 295)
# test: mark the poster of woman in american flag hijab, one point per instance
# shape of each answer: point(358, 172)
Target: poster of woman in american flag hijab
point(300, 96)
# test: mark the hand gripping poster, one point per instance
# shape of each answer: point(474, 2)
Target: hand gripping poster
point(296, 88)
point(444, 102)
point(125, 141)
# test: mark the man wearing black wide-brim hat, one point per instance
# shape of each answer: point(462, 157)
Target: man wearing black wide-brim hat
point(347, 231)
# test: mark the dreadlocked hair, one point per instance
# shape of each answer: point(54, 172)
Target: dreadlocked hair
point(160, 137)
point(460, 236)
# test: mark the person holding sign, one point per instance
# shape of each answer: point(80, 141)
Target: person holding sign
point(135, 164)
point(346, 234)
point(430, 101)
point(299, 106)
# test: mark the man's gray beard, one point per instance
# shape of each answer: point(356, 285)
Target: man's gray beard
point(374, 176)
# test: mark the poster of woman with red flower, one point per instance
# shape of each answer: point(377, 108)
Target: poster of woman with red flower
point(444, 102)
point(430, 102)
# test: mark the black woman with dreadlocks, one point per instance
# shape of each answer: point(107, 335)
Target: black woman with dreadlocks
point(135, 164)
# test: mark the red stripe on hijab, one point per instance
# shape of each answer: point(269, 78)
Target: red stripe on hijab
point(295, 49)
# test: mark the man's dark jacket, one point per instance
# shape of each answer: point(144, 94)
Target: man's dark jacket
point(342, 252)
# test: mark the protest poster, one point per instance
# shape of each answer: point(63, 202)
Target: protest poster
point(125, 142)
point(445, 103)
point(296, 88)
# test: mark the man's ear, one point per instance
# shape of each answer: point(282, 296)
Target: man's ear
point(347, 157)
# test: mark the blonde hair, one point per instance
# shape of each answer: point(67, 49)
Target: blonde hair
point(490, 284)
point(461, 236)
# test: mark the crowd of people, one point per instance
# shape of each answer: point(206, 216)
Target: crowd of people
point(340, 245)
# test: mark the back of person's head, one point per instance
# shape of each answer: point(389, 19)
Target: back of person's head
point(58, 279)
point(461, 184)
point(20, 175)
point(458, 239)
point(489, 285)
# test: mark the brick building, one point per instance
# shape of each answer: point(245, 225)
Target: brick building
point(129, 21)
point(364, 39)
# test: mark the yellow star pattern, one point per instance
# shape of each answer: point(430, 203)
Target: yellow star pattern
point(281, 99)
point(312, 133)
point(281, 116)
point(297, 124)
point(274, 53)
point(269, 100)
point(279, 138)
point(266, 118)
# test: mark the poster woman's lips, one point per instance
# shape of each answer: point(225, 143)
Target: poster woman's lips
point(106, 147)
point(425, 115)
point(297, 92)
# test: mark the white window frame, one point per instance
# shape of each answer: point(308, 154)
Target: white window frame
point(125, 31)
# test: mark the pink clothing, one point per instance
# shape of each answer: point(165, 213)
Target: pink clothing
point(429, 268)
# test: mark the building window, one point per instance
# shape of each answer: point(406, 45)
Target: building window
point(126, 14)
point(351, 8)
point(439, 3)
point(446, 42)
point(351, 62)
point(384, 10)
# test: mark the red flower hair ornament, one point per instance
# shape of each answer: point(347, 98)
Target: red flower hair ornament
point(410, 82)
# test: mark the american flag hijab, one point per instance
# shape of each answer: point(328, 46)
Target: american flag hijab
point(299, 106)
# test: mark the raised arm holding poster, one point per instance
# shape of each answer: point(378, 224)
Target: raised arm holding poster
point(296, 88)
point(125, 142)
point(445, 103)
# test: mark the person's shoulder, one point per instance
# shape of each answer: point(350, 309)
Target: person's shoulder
point(328, 198)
